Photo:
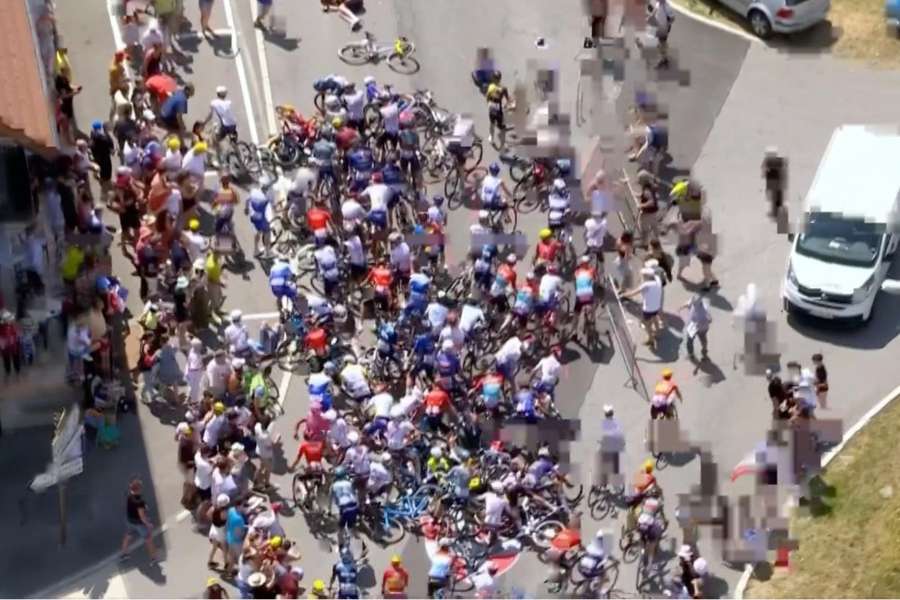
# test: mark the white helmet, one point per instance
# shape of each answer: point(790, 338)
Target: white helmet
point(483, 215)
point(447, 346)
point(332, 102)
point(700, 566)
point(544, 452)
point(340, 312)
point(235, 315)
point(349, 359)
point(353, 437)
point(369, 80)
point(559, 185)
point(600, 535)
point(436, 452)
point(329, 368)
point(257, 194)
point(608, 410)
point(496, 487)
point(221, 91)
point(238, 363)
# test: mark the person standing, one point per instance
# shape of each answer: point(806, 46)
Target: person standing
point(102, 148)
point(774, 172)
point(661, 17)
point(648, 207)
point(821, 379)
point(206, 7)
point(118, 78)
point(137, 522)
point(612, 444)
point(651, 293)
point(498, 100)
point(173, 109)
point(697, 325)
point(264, 8)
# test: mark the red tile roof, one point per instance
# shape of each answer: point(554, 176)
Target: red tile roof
point(25, 112)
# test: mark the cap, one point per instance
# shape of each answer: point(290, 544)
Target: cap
point(667, 373)
point(222, 500)
point(97, 125)
point(173, 143)
point(221, 90)
point(200, 147)
point(256, 580)
point(496, 487)
point(685, 552)
point(148, 115)
point(608, 410)
point(238, 363)
point(395, 559)
point(318, 586)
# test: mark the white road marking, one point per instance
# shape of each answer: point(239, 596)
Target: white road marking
point(283, 387)
point(260, 316)
point(242, 74)
point(264, 67)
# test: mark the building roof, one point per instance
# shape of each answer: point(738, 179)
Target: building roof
point(25, 114)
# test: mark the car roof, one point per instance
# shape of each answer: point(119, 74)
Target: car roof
point(858, 176)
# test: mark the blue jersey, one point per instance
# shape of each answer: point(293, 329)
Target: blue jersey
point(525, 403)
point(447, 364)
point(258, 208)
point(361, 161)
point(281, 279)
point(423, 347)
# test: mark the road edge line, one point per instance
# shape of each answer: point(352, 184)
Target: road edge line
point(712, 23)
point(242, 75)
point(741, 586)
point(266, 82)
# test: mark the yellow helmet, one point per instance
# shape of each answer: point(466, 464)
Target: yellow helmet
point(395, 559)
point(318, 586)
point(200, 147)
point(211, 582)
point(474, 483)
point(194, 224)
point(545, 233)
point(173, 144)
point(337, 122)
point(648, 466)
point(275, 542)
point(218, 408)
point(667, 373)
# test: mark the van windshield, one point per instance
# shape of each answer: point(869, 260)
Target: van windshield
point(852, 242)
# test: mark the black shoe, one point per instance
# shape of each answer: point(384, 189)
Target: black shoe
point(356, 26)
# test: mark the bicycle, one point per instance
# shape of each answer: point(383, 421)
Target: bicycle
point(307, 488)
point(603, 500)
point(597, 584)
point(399, 55)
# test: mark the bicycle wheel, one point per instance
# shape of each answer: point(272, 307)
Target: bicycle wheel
point(250, 158)
point(403, 63)
point(300, 491)
point(319, 102)
point(599, 502)
point(525, 195)
point(354, 54)
point(573, 494)
point(519, 170)
point(508, 220)
point(235, 164)
point(453, 185)
point(285, 152)
point(544, 533)
point(390, 530)
point(473, 158)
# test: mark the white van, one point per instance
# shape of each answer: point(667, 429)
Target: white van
point(843, 250)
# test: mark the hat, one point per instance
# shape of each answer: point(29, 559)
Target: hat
point(297, 572)
point(254, 502)
point(238, 363)
point(607, 409)
point(200, 147)
point(221, 90)
point(97, 125)
point(648, 272)
point(651, 263)
point(182, 282)
point(211, 582)
point(256, 580)
point(148, 115)
point(685, 552)
point(222, 500)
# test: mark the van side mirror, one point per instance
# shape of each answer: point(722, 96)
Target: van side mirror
point(790, 237)
point(891, 286)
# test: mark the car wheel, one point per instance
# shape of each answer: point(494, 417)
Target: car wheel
point(759, 23)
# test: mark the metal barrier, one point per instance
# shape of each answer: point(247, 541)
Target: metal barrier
point(618, 321)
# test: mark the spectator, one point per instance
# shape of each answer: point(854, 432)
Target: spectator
point(118, 78)
point(9, 344)
point(136, 520)
point(101, 152)
point(175, 107)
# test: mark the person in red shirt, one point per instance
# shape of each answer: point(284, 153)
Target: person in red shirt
point(382, 279)
point(9, 343)
point(548, 247)
point(395, 580)
point(345, 137)
point(437, 404)
point(319, 221)
point(313, 451)
point(316, 341)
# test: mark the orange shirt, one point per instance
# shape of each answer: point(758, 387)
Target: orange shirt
point(382, 277)
point(437, 398)
point(317, 340)
point(548, 250)
point(566, 539)
point(508, 273)
point(643, 482)
point(395, 579)
point(313, 451)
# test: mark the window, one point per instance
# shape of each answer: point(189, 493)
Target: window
point(851, 242)
point(15, 189)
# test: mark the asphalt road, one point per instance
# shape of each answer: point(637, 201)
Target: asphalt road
point(724, 407)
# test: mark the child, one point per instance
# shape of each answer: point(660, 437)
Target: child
point(821, 379)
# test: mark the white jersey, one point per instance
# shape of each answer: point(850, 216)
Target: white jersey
point(494, 507)
point(353, 212)
point(356, 103)
point(327, 261)
point(379, 477)
point(356, 251)
point(549, 286)
point(510, 351)
point(550, 369)
point(390, 115)
point(397, 432)
point(380, 405)
point(490, 189)
point(469, 317)
point(221, 108)
point(353, 379)
point(379, 195)
point(594, 232)
point(401, 257)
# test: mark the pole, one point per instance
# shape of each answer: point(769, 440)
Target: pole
point(62, 513)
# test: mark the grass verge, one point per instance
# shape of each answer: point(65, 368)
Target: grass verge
point(855, 29)
point(848, 540)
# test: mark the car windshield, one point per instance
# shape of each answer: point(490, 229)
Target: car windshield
point(852, 242)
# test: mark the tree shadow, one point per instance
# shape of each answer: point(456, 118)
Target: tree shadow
point(288, 44)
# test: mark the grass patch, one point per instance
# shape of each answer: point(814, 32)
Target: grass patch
point(855, 29)
point(848, 536)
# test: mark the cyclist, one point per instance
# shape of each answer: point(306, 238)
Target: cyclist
point(523, 306)
point(390, 122)
point(437, 404)
point(324, 152)
point(318, 385)
point(401, 258)
point(312, 449)
point(548, 289)
point(650, 526)
point(318, 221)
point(318, 592)
point(507, 358)
point(361, 164)
point(236, 334)
point(548, 247)
point(471, 317)
point(223, 206)
point(409, 151)
point(496, 506)
point(373, 92)
point(497, 99)
point(664, 396)
point(382, 279)
point(334, 109)
point(453, 333)
point(220, 108)
point(483, 269)
point(345, 573)
point(380, 478)
point(302, 189)
point(283, 285)
point(595, 228)
point(491, 387)
point(503, 284)
point(548, 369)
point(355, 100)
point(354, 381)
point(437, 465)
point(436, 312)
point(355, 251)
point(417, 293)
point(526, 405)
point(493, 192)
point(327, 265)
point(345, 137)
point(379, 196)
point(585, 286)
point(480, 234)
point(441, 568)
point(395, 579)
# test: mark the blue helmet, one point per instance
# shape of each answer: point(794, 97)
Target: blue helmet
point(340, 473)
point(103, 284)
point(438, 201)
point(494, 169)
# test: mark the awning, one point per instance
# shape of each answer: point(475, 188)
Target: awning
point(26, 114)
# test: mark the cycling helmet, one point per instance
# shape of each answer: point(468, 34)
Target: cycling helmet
point(218, 408)
point(349, 359)
point(700, 566)
point(667, 373)
point(259, 392)
point(530, 276)
point(395, 560)
point(346, 555)
point(648, 466)
point(326, 132)
point(545, 233)
point(103, 284)
point(395, 237)
point(332, 103)
point(221, 91)
point(494, 169)
point(337, 123)
point(496, 487)
point(600, 535)
point(173, 143)
point(329, 368)
point(585, 259)
point(559, 185)
point(484, 216)
point(235, 315)
point(368, 80)
point(544, 452)
point(340, 473)
point(563, 166)
point(608, 410)
point(353, 437)
point(238, 363)
point(194, 224)
point(438, 201)
point(511, 259)
point(318, 586)
point(275, 542)
point(436, 452)
point(385, 457)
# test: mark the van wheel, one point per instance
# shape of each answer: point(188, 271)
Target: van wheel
point(760, 25)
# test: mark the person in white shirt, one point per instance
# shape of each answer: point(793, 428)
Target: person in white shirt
point(496, 506)
point(379, 196)
point(220, 109)
point(266, 438)
point(194, 161)
point(601, 200)
point(236, 334)
point(217, 372)
point(380, 477)
point(354, 382)
point(479, 233)
point(320, 308)
point(401, 255)
point(436, 312)
point(548, 369)
point(507, 358)
point(355, 99)
point(595, 229)
point(356, 252)
point(410, 403)
point(452, 332)
point(399, 430)
point(174, 204)
point(353, 212)
point(203, 470)
point(390, 118)
point(484, 581)
point(549, 286)
point(610, 448)
point(651, 293)
point(339, 434)
point(471, 316)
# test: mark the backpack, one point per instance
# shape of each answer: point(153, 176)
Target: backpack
point(659, 137)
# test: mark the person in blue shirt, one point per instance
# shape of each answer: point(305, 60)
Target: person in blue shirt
point(372, 90)
point(422, 357)
point(482, 270)
point(258, 208)
point(345, 573)
point(448, 366)
point(526, 405)
point(417, 299)
point(235, 530)
point(173, 108)
point(387, 339)
point(344, 498)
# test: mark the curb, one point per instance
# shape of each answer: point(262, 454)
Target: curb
point(720, 26)
point(741, 586)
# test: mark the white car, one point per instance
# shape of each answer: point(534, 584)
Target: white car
point(780, 16)
point(849, 235)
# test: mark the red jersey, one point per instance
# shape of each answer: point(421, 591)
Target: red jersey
point(547, 250)
point(317, 218)
point(507, 272)
point(312, 451)
point(345, 138)
point(437, 400)
point(317, 340)
point(566, 539)
point(382, 278)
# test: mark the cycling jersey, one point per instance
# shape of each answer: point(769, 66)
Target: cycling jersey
point(481, 270)
point(382, 279)
point(490, 192)
point(419, 283)
point(664, 394)
point(316, 340)
point(658, 137)
point(327, 263)
point(525, 403)
point(258, 205)
point(492, 390)
point(541, 468)
point(549, 287)
point(503, 281)
point(361, 160)
point(392, 175)
point(312, 451)
point(343, 495)
point(547, 250)
point(447, 364)
point(317, 220)
point(409, 143)
point(470, 317)
point(436, 401)
point(356, 103)
point(423, 348)
point(323, 152)
point(318, 384)
point(436, 313)
point(280, 280)
point(440, 566)
point(584, 283)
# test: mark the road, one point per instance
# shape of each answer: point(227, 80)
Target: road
point(705, 115)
